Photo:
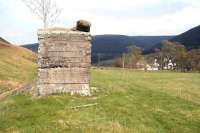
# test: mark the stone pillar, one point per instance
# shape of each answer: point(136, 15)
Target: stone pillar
point(64, 59)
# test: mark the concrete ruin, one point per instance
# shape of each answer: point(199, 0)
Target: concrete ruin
point(64, 59)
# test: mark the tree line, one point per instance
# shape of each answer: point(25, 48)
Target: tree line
point(184, 60)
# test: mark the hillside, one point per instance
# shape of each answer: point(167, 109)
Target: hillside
point(190, 39)
point(33, 47)
point(17, 66)
point(112, 46)
point(126, 101)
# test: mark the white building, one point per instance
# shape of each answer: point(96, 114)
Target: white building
point(170, 65)
point(155, 66)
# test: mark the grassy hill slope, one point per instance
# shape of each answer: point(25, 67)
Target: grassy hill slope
point(127, 102)
point(17, 66)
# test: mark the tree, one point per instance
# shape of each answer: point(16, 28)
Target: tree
point(181, 57)
point(129, 59)
point(173, 51)
point(194, 59)
point(134, 54)
point(168, 52)
point(46, 10)
point(118, 62)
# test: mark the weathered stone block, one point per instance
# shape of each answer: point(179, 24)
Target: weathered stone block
point(64, 61)
point(46, 89)
point(63, 76)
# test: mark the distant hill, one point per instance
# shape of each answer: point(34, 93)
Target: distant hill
point(33, 47)
point(190, 39)
point(111, 46)
point(17, 65)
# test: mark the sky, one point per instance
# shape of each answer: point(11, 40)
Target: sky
point(126, 17)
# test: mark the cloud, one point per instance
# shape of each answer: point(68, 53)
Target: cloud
point(139, 17)
point(130, 17)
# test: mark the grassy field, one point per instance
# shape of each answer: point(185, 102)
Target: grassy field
point(127, 102)
point(17, 66)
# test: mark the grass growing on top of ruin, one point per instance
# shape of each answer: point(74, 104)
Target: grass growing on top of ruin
point(127, 102)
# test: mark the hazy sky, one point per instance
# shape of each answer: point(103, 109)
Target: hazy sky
point(127, 17)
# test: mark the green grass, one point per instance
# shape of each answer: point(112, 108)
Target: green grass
point(128, 102)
